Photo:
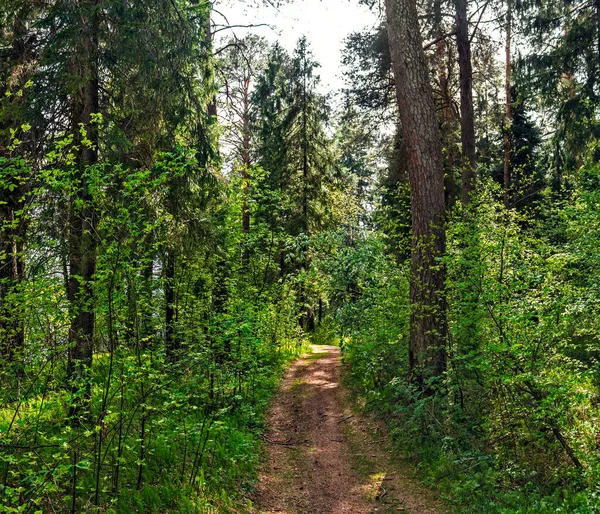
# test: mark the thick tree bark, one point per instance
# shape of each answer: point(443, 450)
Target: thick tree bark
point(508, 112)
point(82, 236)
point(467, 118)
point(420, 130)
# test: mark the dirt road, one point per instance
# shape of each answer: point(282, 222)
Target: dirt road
point(325, 458)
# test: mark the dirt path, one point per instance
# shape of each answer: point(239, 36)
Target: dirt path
point(325, 458)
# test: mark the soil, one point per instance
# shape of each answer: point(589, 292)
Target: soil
point(326, 457)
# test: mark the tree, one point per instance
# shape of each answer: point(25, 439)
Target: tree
point(241, 62)
point(295, 153)
point(17, 66)
point(508, 117)
point(561, 67)
point(368, 76)
point(467, 118)
point(83, 221)
point(292, 147)
point(425, 170)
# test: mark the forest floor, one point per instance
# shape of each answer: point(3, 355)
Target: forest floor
point(327, 457)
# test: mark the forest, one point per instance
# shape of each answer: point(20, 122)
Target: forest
point(185, 211)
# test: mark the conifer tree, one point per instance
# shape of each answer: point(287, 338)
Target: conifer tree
point(427, 352)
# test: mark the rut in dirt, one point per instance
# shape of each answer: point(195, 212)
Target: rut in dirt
point(322, 458)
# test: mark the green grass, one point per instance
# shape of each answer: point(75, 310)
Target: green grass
point(202, 454)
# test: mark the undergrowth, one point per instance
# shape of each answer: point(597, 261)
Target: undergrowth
point(511, 426)
point(158, 437)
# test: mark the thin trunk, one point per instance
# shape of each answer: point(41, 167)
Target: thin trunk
point(308, 317)
point(12, 273)
point(212, 104)
point(467, 118)
point(146, 307)
point(281, 259)
point(120, 430)
point(320, 311)
point(442, 69)
point(444, 57)
point(304, 154)
point(142, 436)
point(220, 291)
point(171, 344)
point(13, 225)
point(427, 353)
point(597, 5)
point(107, 388)
point(82, 238)
point(508, 112)
point(246, 163)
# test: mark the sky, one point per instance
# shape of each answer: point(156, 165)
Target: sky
point(325, 23)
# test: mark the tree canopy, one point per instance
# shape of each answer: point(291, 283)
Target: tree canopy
point(184, 208)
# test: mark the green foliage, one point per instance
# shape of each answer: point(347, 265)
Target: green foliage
point(127, 222)
point(372, 294)
point(516, 409)
point(561, 68)
point(199, 417)
point(158, 422)
point(292, 145)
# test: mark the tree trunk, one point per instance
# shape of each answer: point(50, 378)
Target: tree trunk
point(440, 53)
point(597, 6)
point(427, 354)
point(467, 118)
point(12, 273)
point(13, 224)
point(304, 152)
point(308, 318)
point(147, 307)
point(246, 163)
point(508, 113)
point(171, 344)
point(442, 58)
point(212, 104)
point(320, 311)
point(82, 235)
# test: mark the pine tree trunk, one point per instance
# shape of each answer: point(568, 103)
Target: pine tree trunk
point(444, 59)
point(427, 354)
point(508, 112)
point(442, 69)
point(246, 163)
point(82, 235)
point(304, 154)
point(467, 118)
point(212, 104)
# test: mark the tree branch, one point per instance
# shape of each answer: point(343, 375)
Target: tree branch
point(437, 40)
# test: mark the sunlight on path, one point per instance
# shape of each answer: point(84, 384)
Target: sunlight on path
point(316, 462)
